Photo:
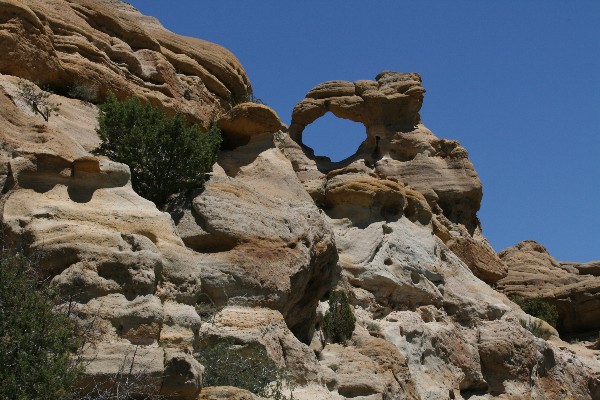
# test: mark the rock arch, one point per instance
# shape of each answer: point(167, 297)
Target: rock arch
point(385, 106)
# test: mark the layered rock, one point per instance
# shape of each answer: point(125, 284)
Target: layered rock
point(252, 257)
point(533, 272)
point(108, 45)
point(403, 210)
point(401, 149)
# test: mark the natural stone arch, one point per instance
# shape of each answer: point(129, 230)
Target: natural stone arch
point(334, 139)
point(387, 105)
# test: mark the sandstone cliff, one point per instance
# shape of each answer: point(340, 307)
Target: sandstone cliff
point(274, 231)
point(572, 288)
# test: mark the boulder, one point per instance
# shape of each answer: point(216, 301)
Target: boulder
point(245, 120)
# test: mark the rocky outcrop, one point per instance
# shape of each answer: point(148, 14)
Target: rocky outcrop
point(246, 120)
point(408, 250)
point(533, 272)
point(108, 45)
point(264, 241)
point(589, 268)
point(252, 257)
point(397, 144)
point(398, 148)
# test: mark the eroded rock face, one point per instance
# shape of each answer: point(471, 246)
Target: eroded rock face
point(533, 272)
point(397, 144)
point(274, 230)
point(263, 240)
point(398, 148)
point(107, 45)
point(403, 210)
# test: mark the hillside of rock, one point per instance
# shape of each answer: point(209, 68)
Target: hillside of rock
point(253, 256)
point(107, 46)
point(533, 272)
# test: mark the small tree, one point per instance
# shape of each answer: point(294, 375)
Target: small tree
point(339, 321)
point(36, 341)
point(164, 154)
point(37, 99)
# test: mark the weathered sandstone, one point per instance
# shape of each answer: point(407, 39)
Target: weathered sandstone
point(253, 256)
point(398, 148)
point(532, 272)
point(107, 45)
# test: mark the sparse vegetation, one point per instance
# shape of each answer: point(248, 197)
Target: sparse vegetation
point(36, 340)
point(165, 155)
point(535, 327)
point(374, 328)
point(538, 308)
point(84, 91)
point(129, 382)
point(243, 366)
point(339, 321)
point(38, 100)
point(247, 97)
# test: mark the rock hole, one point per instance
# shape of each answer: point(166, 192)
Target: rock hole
point(415, 277)
point(388, 261)
point(333, 137)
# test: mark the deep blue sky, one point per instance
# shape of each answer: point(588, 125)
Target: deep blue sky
point(516, 82)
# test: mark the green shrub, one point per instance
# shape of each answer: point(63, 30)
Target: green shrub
point(164, 154)
point(36, 341)
point(538, 308)
point(245, 367)
point(339, 321)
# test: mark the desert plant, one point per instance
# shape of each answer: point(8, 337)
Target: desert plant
point(339, 321)
point(129, 382)
point(36, 341)
point(164, 154)
point(84, 91)
point(374, 328)
point(247, 97)
point(243, 366)
point(538, 308)
point(38, 100)
point(535, 327)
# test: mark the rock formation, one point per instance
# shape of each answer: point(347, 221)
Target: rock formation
point(253, 256)
point(107, 46)
point(532, 272)
point(398, 148)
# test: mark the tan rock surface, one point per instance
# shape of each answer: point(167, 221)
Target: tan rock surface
point(109, 45)
point(272, 233)
point(245, 120)
point(263, 239)
point(589, 268)
point(533, 272)
point(226, 393)
point(398, 148)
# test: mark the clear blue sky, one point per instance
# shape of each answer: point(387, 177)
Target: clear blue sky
point(516, 82)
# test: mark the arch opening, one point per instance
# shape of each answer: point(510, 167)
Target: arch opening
point(333, 137)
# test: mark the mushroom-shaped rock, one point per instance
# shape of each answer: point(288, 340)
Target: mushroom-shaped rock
point(247, 120)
